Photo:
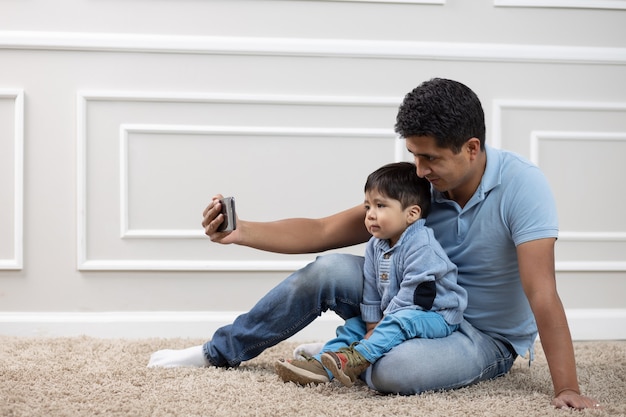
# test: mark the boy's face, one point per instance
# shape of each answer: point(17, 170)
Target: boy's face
point(385, 218)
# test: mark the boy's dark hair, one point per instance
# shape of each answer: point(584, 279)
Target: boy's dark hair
point(399, 181)
point(446, 110)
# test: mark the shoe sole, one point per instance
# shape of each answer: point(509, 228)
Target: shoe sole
point(331, 364)
point(289, 373)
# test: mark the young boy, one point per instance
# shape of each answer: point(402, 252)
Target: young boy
point(410, 287)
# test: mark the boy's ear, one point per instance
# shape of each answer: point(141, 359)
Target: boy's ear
point(413, 214)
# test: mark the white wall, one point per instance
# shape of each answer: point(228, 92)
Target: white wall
point(120, 119)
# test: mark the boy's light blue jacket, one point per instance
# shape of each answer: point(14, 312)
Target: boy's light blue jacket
point(414, 274)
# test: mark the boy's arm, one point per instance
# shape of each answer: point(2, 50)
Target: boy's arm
point(371, 299)
point(369, 328)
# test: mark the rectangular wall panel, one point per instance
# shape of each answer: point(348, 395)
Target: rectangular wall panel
point(151, 180)
point(11, 178)
point(566, 4)
point(581, 166)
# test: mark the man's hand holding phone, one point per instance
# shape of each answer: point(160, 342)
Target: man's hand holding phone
point(219, 232)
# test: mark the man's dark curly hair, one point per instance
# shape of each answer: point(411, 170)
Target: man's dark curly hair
point(399, 181)
point(446, 110)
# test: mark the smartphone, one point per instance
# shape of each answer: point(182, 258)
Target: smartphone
point(230, 218)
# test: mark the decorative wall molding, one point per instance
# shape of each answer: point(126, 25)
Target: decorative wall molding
point(499, 106)
point(86, 97)
point(565, 4)
point(246, 265)
point(593, 236)
point(300, 47)
point(590, 266)
point(439, 2)
point(134, 325)
point(16, 263)
point(585, 324)
point(537, 136)
point(238, 265)
point(172, 96)
point(127, 129)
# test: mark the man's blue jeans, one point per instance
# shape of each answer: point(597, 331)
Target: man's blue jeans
point(335, 282)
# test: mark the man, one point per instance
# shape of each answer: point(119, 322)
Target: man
point(493, 213)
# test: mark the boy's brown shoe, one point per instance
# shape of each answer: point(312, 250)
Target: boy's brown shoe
point(302, 372)
point(345, 365)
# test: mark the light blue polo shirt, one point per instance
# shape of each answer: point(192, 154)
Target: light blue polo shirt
point(512, 205)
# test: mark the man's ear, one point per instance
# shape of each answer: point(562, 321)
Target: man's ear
point(413, 213)
point(473, 146)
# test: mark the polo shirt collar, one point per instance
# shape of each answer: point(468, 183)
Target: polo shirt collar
point(493, 174)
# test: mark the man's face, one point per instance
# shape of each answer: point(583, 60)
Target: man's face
point(445, 170)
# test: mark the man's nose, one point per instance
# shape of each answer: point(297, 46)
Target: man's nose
point(421, 168)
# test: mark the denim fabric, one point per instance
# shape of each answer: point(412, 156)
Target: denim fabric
point(335, 282)
point(332, 282)
point(401, 326)
point(465, 357)
point(392, 330)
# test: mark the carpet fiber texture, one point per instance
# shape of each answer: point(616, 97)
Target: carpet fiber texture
point(107, 377)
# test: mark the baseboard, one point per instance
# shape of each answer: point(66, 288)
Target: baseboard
point(585, 324)
point(144, 324)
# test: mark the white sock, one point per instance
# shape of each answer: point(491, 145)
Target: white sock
point(170, 358)
point(307, 350)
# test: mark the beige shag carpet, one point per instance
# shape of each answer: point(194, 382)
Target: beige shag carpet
point(106, 377)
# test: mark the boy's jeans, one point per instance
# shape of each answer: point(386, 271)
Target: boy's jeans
point(335, 282)
point(393, 329)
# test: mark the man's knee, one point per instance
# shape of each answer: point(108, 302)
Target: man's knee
point(316, 278)
point(333, 268)
point(384, 376)
point(337, 262)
